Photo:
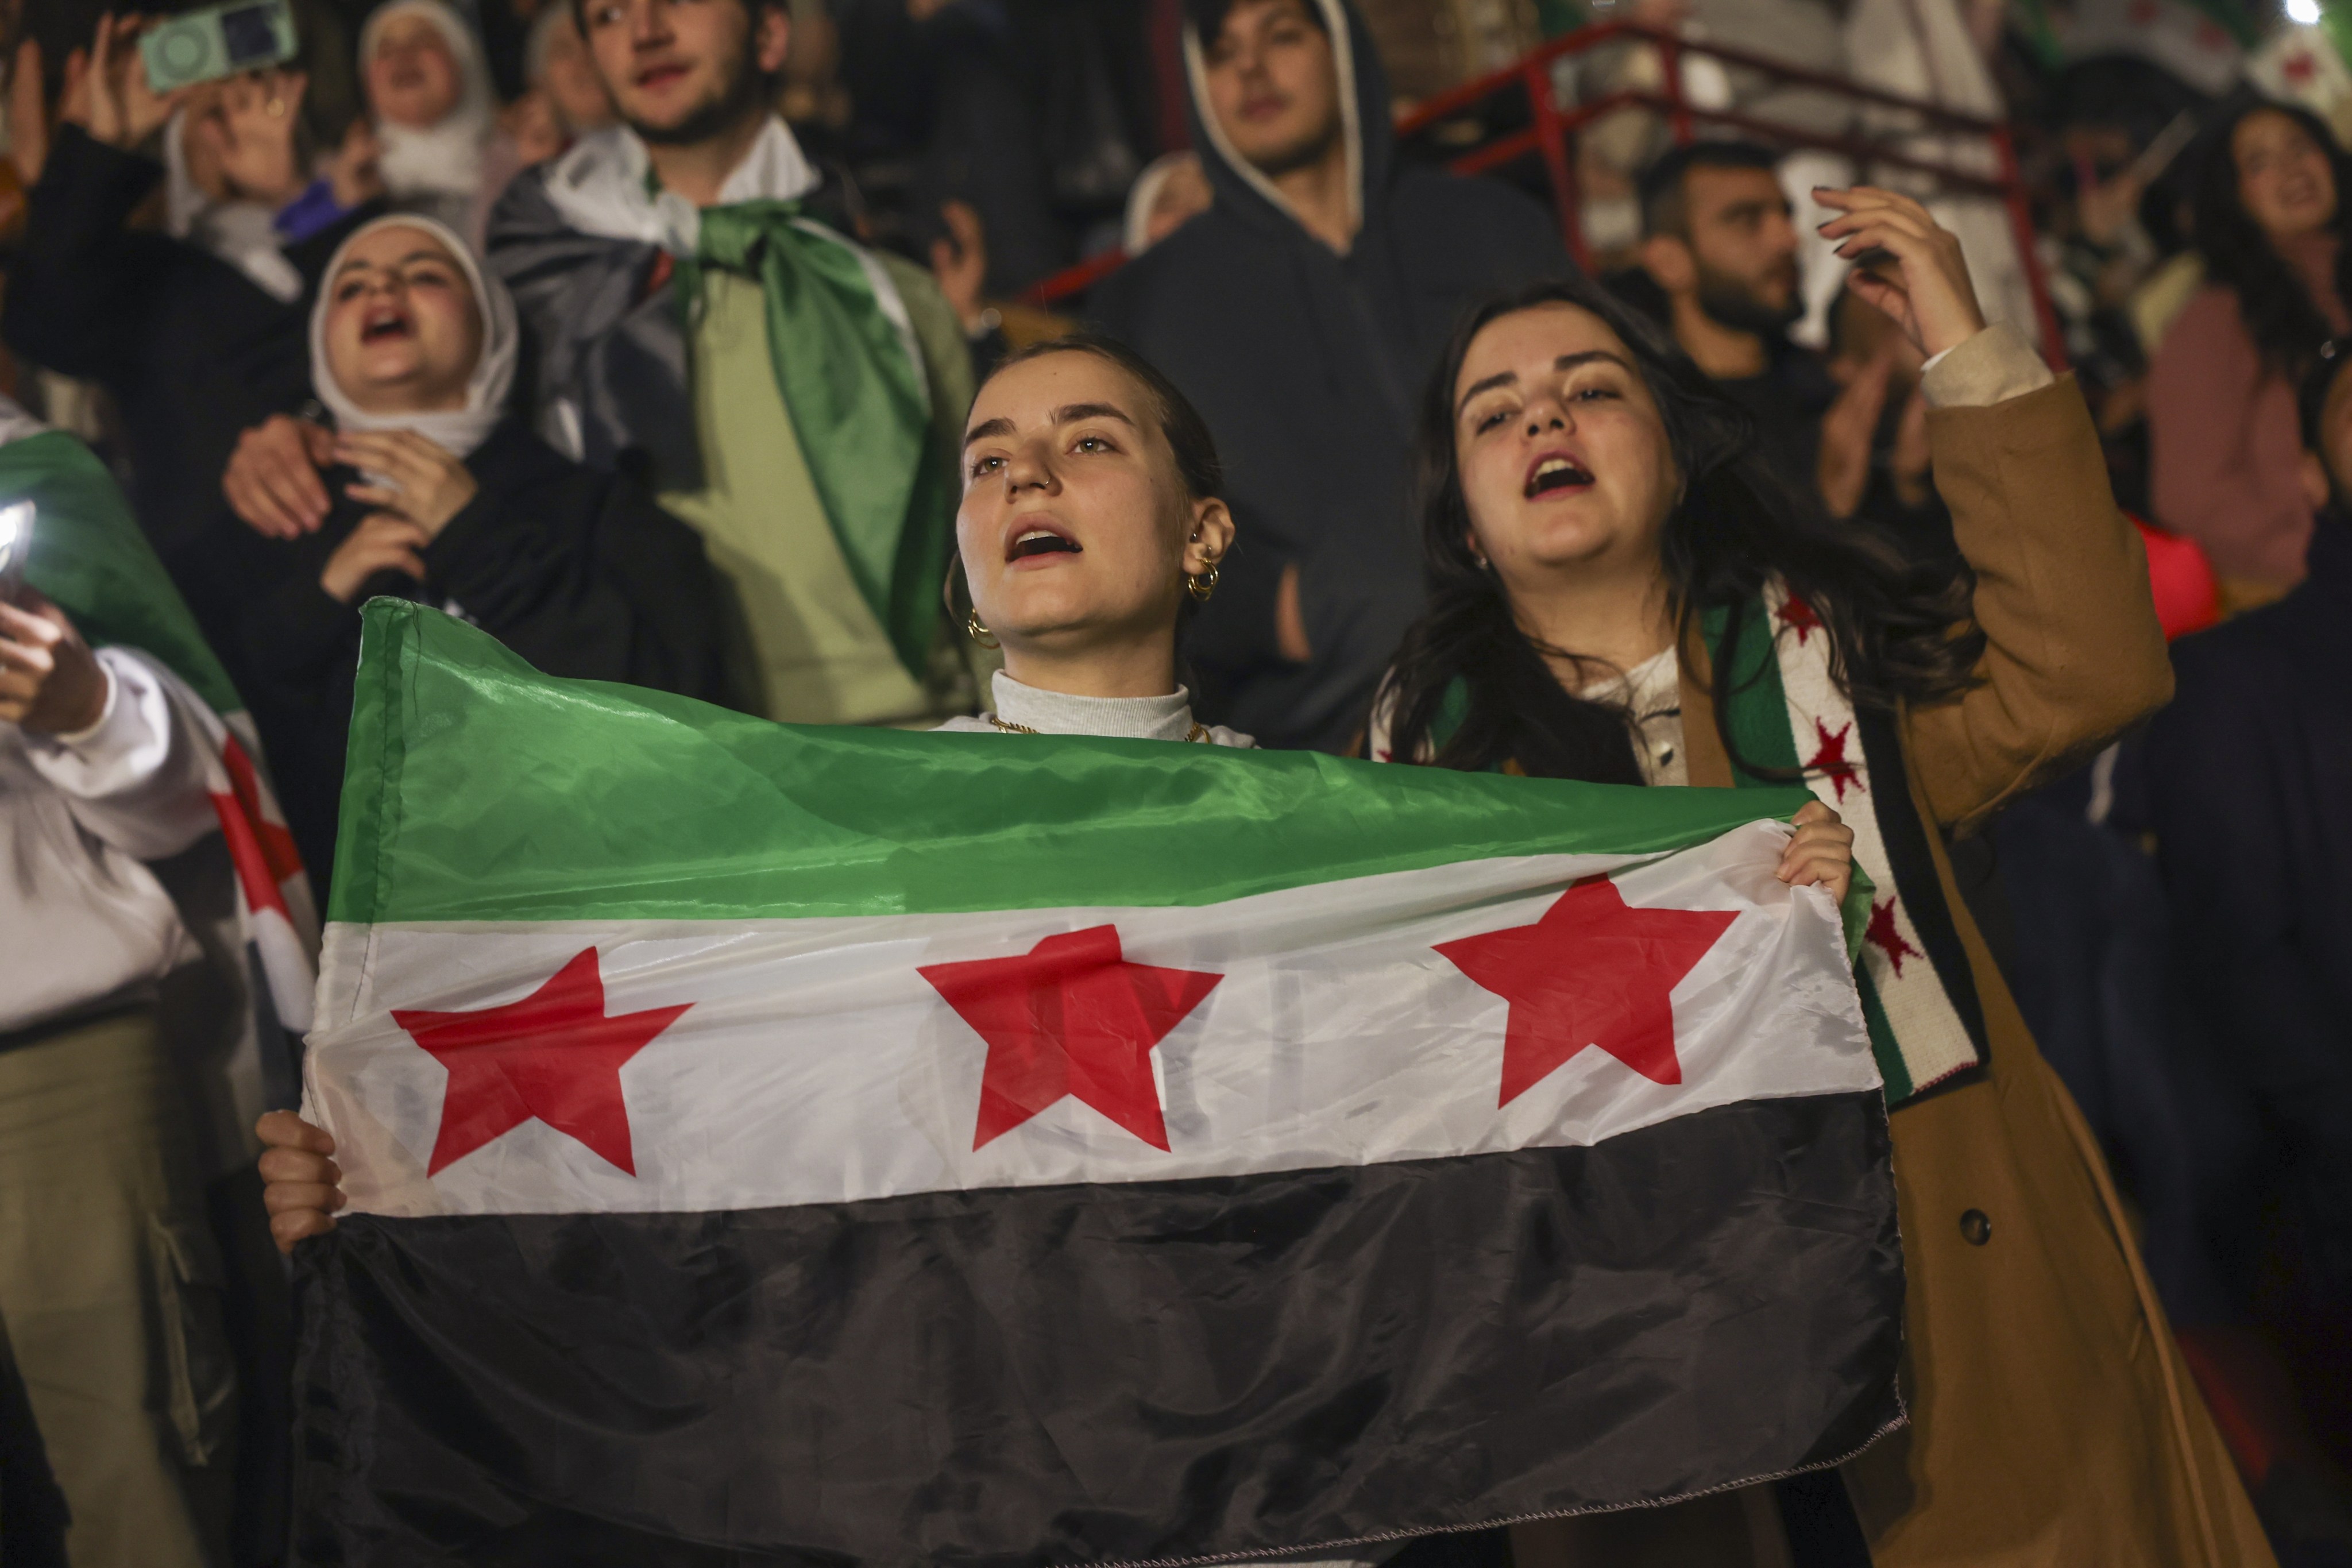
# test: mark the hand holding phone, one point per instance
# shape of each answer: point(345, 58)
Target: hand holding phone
point(113, 99)
point(218, 41)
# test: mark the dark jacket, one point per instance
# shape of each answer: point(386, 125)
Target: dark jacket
point(578, 572)
point(1309, 367)
point(2249, 780)
point(191, 350)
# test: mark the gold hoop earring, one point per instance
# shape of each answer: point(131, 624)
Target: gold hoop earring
point(1203, 585)
point(976, 632)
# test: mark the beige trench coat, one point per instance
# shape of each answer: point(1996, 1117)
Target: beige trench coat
point(2054, 1424)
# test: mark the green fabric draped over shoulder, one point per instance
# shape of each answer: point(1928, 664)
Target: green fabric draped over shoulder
point(89, 559)
point(856, 391)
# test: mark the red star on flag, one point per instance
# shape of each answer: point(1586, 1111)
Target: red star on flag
point(1070, 1016)
point(1592, 971)
point(1799, 616)
point(553, 1055)
point(261, 852)
point(1882, 934)
point(1828, 759)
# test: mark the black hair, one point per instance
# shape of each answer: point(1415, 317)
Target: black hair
point(1660, 187)
point(1899, 632)
point(2286, 324)
point(1208, 17)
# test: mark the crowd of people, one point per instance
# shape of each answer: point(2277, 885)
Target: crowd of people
point(682, 343)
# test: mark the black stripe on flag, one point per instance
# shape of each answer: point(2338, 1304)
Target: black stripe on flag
point(1117, 1372)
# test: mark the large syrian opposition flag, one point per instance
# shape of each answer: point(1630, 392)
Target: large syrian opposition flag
point(769, 1144)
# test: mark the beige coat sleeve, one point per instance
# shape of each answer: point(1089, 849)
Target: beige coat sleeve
point(2073, 652)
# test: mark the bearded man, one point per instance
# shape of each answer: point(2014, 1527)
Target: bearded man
point(1720, 246)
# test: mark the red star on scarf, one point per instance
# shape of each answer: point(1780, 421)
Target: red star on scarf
point(1881, 934)
point(1592, 971)
point(553, 1055)
point(1828, 759)
point(1070, 1016)
point(1799, 616)
point(261, 851)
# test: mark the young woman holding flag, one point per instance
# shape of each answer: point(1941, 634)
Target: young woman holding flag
point(1622, 593)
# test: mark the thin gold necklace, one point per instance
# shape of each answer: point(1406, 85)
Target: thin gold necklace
point(1200, 732)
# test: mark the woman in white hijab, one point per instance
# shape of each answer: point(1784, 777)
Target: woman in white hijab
point(443, 497)
point(437, 121)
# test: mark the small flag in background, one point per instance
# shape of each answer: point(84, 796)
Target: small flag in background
point(783, 1144)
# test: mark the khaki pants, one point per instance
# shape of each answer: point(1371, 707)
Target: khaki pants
point(110, 1293)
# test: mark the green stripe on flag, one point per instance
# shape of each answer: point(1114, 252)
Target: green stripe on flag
point(89, 559)
point(480, 790)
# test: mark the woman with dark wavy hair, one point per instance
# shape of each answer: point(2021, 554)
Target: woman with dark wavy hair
point(1622, 593)
point(2270, 223)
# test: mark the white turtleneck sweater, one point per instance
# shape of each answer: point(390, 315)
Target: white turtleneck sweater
point(1168, 718)
point(83, 921)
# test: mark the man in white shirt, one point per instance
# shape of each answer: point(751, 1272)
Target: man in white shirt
point(109, 1278)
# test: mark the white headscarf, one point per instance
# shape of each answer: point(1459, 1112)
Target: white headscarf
point(444, 159)
point(242, 233)
point(456, 431)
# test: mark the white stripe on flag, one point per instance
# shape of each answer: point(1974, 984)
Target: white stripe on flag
point(815, 1063)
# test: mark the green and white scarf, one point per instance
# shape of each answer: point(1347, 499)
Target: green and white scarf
point(1788, 713)
point(842, 343)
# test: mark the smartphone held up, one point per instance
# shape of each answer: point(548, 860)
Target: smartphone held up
point(218, 41)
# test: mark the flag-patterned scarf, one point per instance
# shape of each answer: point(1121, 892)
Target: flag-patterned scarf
point(1788, 713)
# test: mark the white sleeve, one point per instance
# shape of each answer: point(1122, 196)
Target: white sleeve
point(136, 778)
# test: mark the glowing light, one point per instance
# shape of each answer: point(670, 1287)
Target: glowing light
point(15, 531)
point(2302, 13)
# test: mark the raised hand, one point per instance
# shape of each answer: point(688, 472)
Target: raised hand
point(28, 115)
point(252, 132)
point(50, 683)
point(424, 483)
point(122, 109)
point(960, 261)
point(1849, 426)
point(1922, 282)
point(356, 170)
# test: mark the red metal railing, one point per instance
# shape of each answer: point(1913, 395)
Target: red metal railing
point(1549, 131)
